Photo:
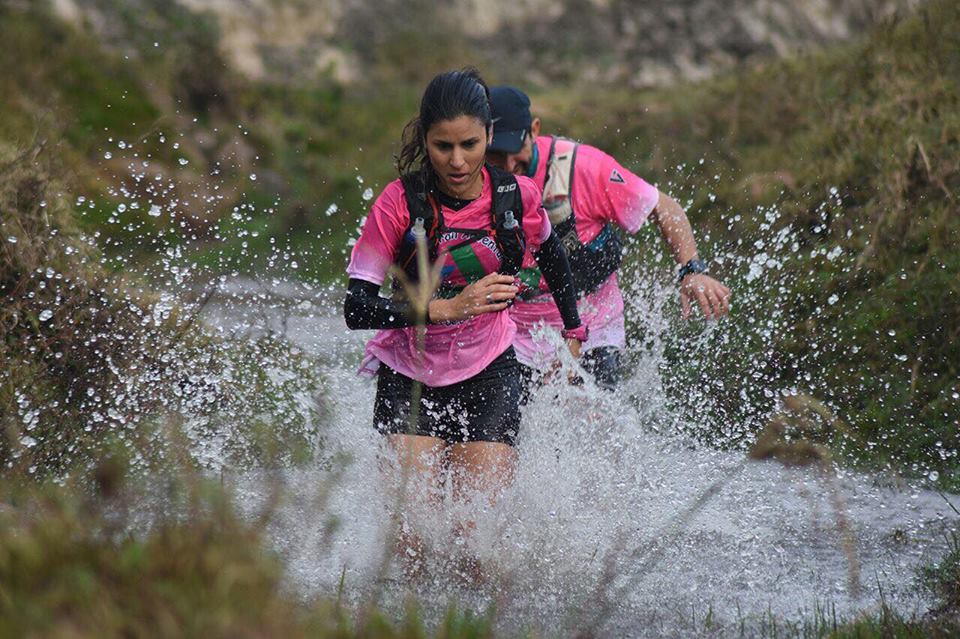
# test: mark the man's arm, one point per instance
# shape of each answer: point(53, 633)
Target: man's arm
point(675, 228)
point(712, 296)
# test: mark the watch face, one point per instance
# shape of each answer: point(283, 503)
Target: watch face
point(693, 266)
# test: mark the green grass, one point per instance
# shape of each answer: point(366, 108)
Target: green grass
point(942, 581)
point(91, 91)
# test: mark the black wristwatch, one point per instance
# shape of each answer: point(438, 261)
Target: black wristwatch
point(696, 265)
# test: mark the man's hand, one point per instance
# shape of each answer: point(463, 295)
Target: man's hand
point(712, 296)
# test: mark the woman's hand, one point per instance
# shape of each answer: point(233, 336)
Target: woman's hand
point(712, 296)
point(489, 294)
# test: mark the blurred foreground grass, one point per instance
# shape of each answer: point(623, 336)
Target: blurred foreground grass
point(71, 565)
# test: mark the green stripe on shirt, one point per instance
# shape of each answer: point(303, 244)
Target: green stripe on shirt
point(467, 261)
point(530, 277)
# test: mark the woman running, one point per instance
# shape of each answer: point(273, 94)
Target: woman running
point(476, 221)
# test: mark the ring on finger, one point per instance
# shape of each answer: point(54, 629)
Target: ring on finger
point(489, 298)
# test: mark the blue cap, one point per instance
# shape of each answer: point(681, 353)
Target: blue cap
point(511, 119)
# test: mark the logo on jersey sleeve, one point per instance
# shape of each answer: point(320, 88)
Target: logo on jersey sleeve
point(616, 177)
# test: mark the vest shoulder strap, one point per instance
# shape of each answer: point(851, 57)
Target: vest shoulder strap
point(422, 205)
point(558, 188)
point(507, 219)
point(560, 168)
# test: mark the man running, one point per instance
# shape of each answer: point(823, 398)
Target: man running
point(586, 194)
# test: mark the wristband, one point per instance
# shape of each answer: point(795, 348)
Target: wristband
point(696, 265)
point(579, 333)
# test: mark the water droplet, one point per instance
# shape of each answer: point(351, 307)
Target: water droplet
point(45, 315)
point(934, 475)
point(253, 177)
point(154, 210)
point(183, 161)
point(108, 155)
point(12, 239)
point(367, 194)
point(333, 208)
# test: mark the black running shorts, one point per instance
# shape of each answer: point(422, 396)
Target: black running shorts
point(484, 408)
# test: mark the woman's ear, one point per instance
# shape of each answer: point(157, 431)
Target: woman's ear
point(535, 128)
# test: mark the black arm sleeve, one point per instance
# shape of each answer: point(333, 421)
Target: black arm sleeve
point(364, 308)
point(552, 260)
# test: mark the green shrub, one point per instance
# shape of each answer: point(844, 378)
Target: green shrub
point(844, 168)
point(92, 358)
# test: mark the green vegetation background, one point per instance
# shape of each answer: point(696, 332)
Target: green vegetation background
point(855, 149)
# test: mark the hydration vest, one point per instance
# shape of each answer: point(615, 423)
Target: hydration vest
point(591, 263)
point(426, 215)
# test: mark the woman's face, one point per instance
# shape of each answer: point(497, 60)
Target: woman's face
point(456, 149)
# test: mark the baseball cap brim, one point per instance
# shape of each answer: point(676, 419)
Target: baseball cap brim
point(507, 141)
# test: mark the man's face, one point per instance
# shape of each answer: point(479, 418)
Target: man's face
point(517, 163)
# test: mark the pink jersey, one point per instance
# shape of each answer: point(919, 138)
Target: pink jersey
point(603, 192)
point(456, 351)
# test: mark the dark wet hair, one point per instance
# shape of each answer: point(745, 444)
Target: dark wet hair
point(448, 96)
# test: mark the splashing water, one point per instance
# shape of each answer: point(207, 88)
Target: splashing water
point(600, 529)
point(620, 519)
